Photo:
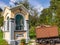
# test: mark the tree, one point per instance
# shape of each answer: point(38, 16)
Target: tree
point(56, 9)
point(54, 5)
point(0, 12)
point(25, 3)
point(51, 15)
point(1, 18)
point(1, 21)
point(55, 12)
point(34, 20)
point(46, 16)
point(32, 32)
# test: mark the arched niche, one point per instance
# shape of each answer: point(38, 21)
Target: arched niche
point(19, 22)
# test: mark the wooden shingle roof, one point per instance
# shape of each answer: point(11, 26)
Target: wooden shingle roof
point(46, 31)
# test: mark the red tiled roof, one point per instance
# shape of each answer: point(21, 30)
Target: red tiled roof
point(46, 31)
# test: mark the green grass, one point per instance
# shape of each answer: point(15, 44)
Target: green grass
point(2, 41)
point(1, 35)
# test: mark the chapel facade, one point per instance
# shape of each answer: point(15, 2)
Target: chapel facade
point(16, 26)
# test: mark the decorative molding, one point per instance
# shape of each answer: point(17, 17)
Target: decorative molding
point(12, 18)
point(19, 31)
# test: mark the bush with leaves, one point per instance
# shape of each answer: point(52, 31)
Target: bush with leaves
point(32, 32)
point(3, 42)
point(23, 42)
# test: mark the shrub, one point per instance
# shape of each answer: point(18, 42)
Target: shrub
point(32, 32)
point(3, 42)
point(23, 41)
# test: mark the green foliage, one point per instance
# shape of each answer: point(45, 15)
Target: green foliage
point(46, 17)
point(32, 32)
point(1, 21)
point(55, 7)
point(33, 20)
point(25, 3)
point(23, 40)
point(2, 42)
point(1, 18)
point(51, 15)
point(1, 35)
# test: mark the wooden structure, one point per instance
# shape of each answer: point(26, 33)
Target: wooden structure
point(47, 35)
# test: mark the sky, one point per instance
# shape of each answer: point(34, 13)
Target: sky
point(37, 4)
